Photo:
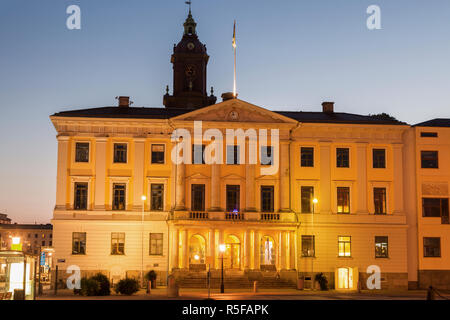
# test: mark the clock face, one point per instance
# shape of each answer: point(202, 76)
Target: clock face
point(234, 115)
point(190, 46)
point(190, 70)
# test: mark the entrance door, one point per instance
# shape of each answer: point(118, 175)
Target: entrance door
point(345, 278)
point(232, 253)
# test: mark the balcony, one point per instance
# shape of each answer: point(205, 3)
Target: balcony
point(234, 215)
point(198, 215)
point(270, 216)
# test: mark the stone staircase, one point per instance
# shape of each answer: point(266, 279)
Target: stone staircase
point(198, 280)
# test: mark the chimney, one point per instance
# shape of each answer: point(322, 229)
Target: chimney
point(328, 107)
point(228, 96)
point(123, 101)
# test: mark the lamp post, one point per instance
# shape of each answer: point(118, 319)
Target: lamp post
point(222, 250)
point(314, 242)
point(143, 198)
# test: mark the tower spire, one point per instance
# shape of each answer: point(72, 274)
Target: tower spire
point(189, 24)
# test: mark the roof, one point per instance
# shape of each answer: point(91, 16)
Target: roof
point(166, 113)
point(47, 226)
point(438, 122)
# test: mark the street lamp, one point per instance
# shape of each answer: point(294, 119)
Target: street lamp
point(222, 248)
point(143, 198)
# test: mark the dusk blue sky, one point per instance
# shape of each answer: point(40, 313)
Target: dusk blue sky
point(292, 55)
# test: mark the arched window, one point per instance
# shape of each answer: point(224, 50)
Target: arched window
point(197, 249)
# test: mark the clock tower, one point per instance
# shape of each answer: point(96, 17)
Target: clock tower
point(189, 61)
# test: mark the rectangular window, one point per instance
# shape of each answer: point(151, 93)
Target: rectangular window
point(233, 154)
point(428, 134)
point(156, 244)
point(267, 155)
point(379, 200)
point(308, 246)
point(431, 247)
point(117, 243)
point(429, 159)
point(198, 197)
point(82, 152)
point(78, 242)
point(118, 196)
point(343, 200)
point(381, 247)
point(157, 197)
point(267, 198)
point(157, 153)
point(120, 153)
point(198, 154)
point(379, 158)
point(307, 194)
point(233, 198)
point(80, 197)
point(436, 207)
point(306, 157)
point(342, 157)
point(43, 243)
point(344, 246)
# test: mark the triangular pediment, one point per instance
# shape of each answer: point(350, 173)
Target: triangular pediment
point(234, 110)
point(197, 176)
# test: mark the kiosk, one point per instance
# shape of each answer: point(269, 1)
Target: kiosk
point(17, 275)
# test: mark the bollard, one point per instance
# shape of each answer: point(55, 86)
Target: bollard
point(300, 283)
point(430, 293)
point(172, 288)
point(149, 287)
point(255, 286)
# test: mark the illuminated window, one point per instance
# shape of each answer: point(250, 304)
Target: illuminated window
point(198, 197)
point(343, 157)
point(379, 199)
point(157, 153)
point(119, 196)
point(157, 197)
point(198, 154)
point(80, 198)
point(431, 247)
point(267, 198)
point(308, 246)
point(79, 243)
point(233, 198)
point(82, 152)
point(429, 159)
point(379, 158)
point(233, 154)
point(117, 243)
point(306, 157)
point(266, 155)
point(307, 195)
point(156, 244)
point(344, 246)
point(381, 247)
point(120, 153)
point(343, 200)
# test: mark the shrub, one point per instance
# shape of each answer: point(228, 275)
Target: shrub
point(127, 286)
point(322, 280)
point(97, 285)
point(89, 287)
point(105, 286)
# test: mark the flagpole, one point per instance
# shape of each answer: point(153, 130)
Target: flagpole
point(234, 48)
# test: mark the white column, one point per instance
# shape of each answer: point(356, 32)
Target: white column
point(398, 178)
point(180, 187)
point(62, 172)
point(175, 248)
point(100, 173)
point(247, 250)
point(138, 173)
point(212, 247)
point(325, 177)
point(361, 180)
point(215, 187)
point(257, 248)
point(284, 176)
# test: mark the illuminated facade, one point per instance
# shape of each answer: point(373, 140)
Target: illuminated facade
point(342, 197)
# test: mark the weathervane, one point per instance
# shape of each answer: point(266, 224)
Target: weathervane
point(189, 3)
